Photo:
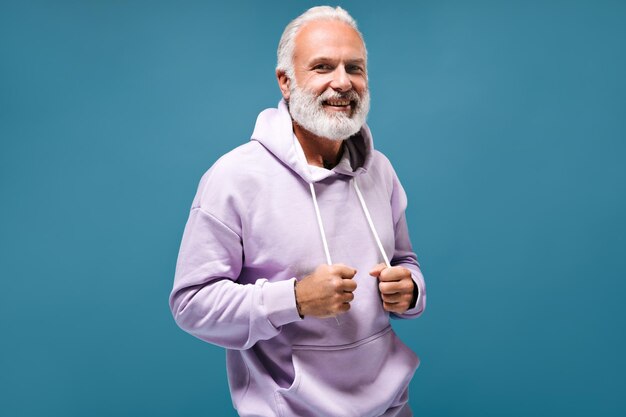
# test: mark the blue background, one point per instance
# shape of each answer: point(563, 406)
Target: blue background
point(505, 121)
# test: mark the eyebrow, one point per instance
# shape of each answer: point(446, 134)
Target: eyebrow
point(359, 61)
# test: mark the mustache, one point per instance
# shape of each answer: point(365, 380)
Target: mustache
point(335, 95)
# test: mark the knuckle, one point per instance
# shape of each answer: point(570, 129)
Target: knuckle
point(383, 275)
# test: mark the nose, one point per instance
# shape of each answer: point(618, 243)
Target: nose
point(341, 79)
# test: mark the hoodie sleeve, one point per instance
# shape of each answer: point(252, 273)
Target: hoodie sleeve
point(209, 303)
point(403, 253)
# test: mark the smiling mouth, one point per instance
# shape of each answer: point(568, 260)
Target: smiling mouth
point(338, 103)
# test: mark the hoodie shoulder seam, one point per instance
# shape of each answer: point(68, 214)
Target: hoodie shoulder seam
point(217, 219)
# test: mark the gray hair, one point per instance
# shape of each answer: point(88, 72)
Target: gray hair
point(286, 45)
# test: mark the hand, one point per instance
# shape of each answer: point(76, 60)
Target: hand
point(327, 292)
point(396, 287)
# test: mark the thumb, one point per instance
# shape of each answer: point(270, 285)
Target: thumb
point(375, 272)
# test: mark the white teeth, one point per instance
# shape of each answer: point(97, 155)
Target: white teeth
point(339, 103)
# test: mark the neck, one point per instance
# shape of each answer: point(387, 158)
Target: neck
point(319, 151)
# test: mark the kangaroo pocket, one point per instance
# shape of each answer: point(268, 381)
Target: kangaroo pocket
point(361, 379)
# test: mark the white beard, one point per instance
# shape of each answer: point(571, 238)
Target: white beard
point(307, 110)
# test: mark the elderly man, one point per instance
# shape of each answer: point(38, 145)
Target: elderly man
point(296, 252)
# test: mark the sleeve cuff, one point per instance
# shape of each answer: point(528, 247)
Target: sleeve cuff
point(280, 302)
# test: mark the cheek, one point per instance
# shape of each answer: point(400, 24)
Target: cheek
point(320, 88)
point(360, 86)
point(316, 83)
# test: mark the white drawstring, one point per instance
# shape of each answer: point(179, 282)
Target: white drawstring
point(321, 227)
point(373, 229)
point(320, 224)
point(371, 223)
point(367, 216)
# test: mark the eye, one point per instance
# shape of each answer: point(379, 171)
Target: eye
point(322, 68)
point(354, 69)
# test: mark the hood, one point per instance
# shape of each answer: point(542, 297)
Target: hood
point(274, 130)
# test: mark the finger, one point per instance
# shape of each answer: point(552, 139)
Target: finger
point(393, 287)
point(395, 273)
point(344, 271)
point(388, 287)
point(392, 298)
point(344, 307)
point(348, 285)
point(377, 269)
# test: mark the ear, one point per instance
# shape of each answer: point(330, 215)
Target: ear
point(283, 83)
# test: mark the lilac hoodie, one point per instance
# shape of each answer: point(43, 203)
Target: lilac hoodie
point(263, 218)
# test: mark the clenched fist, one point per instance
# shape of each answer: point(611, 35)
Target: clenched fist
point(396, 287)
point(327, 292)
